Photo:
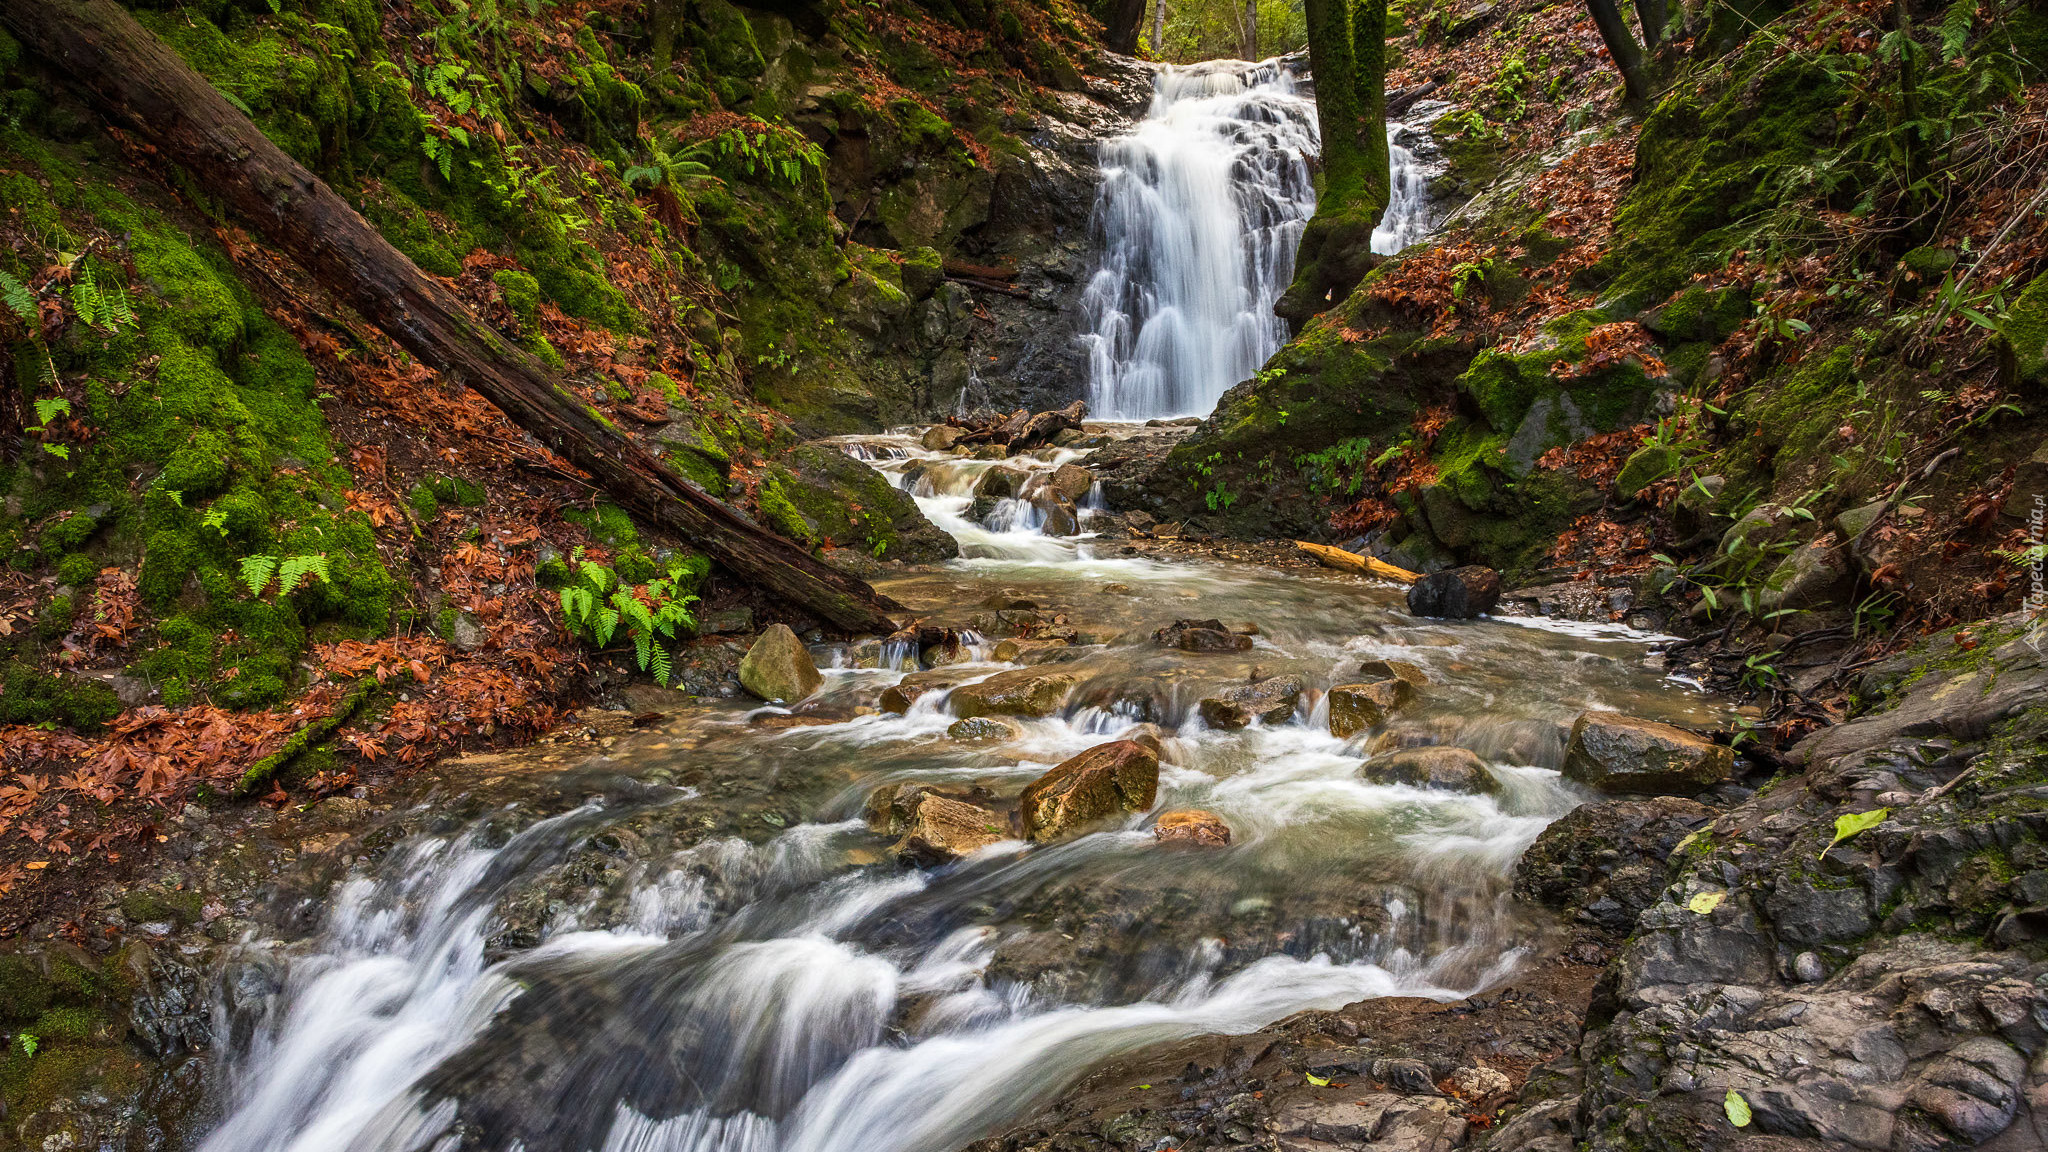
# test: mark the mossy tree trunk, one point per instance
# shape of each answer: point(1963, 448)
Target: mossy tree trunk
point(1347, 53)
point(140, 83)
point(664, 23)
point(1621, 45)
point(1653, 15)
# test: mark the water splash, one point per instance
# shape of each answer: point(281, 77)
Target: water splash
point(1200, 209)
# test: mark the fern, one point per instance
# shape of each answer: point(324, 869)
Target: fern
point(18, 298)
point(297, 568)
point(1955, 27)
point(257, 571)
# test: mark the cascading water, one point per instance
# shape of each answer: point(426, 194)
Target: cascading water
point(1200, 209)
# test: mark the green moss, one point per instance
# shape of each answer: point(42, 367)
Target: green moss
point(36, 697)
point(1704, 314)
point(24, 994)
point(2023, 335)
point(145, 905)
point(424, 503)
point(1705, 164)
point(55, 618)
point(77, 570)
point(521, 292)
point(456, 490)
point(1646, 466)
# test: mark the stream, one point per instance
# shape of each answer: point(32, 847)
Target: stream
point(798, 990)
point(713, 951)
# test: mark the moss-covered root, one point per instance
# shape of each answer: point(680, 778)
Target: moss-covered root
point(261, 772)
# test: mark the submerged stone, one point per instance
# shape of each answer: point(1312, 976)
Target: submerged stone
point(1455, 594)
point(1193, 828)
point(1024, 692)
point(1437, 766)
point(1357, 707)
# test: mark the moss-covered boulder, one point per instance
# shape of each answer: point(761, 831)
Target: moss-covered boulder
point(778, 667)
point(819, 496)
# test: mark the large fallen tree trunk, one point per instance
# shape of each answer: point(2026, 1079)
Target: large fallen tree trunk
point(140, 83)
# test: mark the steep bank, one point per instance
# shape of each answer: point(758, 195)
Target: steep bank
point(235, 511)
point(1651, 325)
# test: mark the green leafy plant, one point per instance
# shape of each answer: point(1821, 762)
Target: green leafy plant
point(596, 604)
point(18, 298)
point(288, 571)
point(105, 308)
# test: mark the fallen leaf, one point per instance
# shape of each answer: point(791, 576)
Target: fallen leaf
point(1737, 1109)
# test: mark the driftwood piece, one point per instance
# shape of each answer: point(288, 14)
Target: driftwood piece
point(1352, 562)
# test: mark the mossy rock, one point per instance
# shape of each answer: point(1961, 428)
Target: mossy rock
point(33, 696)
point(2023, 336)
point(1646, 466)
point(822, 497)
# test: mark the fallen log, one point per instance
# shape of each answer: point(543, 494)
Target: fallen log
point(1353, 562)
point(962, 268)
point(141, 84)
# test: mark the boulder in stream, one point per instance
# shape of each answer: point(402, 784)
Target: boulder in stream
point(983, 729)
point(1027, 651)
point(1456, 593)
point(1606, 860)
point(778, 667)
point(1271, 700)
point(1617, 753)
point(1191, 828)
point(934, 829)
point(1437, 766)
point(1200, 636)
point(1107, 780)
point(1024, 692)
point(898, 697)
point(1393, 670)
point(1357, 707)
point(941, 438)
point(1071, 481)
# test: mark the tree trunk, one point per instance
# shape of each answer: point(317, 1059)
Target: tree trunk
point(1251, 29)
point(1347, 54)
point(1653, 15)
point(1120, 31)
point(1159, 28)
point(1621, 44)
point(139, 82)
point(664, 21)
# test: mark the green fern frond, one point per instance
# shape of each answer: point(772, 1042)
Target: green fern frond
point(257, 571)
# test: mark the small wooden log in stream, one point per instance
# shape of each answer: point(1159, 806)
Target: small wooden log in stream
point(1353, 562)
point(141, 84)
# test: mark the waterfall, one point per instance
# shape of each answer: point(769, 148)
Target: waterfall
point(1197, 217)
point(1406, 219)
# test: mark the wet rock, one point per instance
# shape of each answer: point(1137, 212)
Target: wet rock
point(898, 697)
point(778, 667)
point(939, 830)
point(984, 729)
point(941, 438)
point(1023, 651)
point(1150, 735)
point(1200, 636)
point(1438, 767)
point(1104, 782)
point(1379, 1120)
point(1024, 692)
point(783, 723)
point(1193, 828)
point(1617, 753)
point(1476, 1083)
point(1271, 701)
point(1058, 517)
point(1071, 482)
point(1456, 593)
point(1607, 857)
point(1696, 514)
point(467, 634)
point(1355, 708)
point(1393, 670)
point(996, 484)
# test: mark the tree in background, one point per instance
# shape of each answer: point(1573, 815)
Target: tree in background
point(1185, 31)
point(1347, 54)
point(1621, 44)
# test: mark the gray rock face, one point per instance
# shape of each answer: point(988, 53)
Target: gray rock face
point(1617, 753)
point(1889, 992)
point(1606, 860)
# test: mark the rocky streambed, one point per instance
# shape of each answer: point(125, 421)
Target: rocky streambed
point(1102, 851)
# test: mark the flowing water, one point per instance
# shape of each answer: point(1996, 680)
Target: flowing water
point(1197, 217)
point(1200, 209)
point(695, 944)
